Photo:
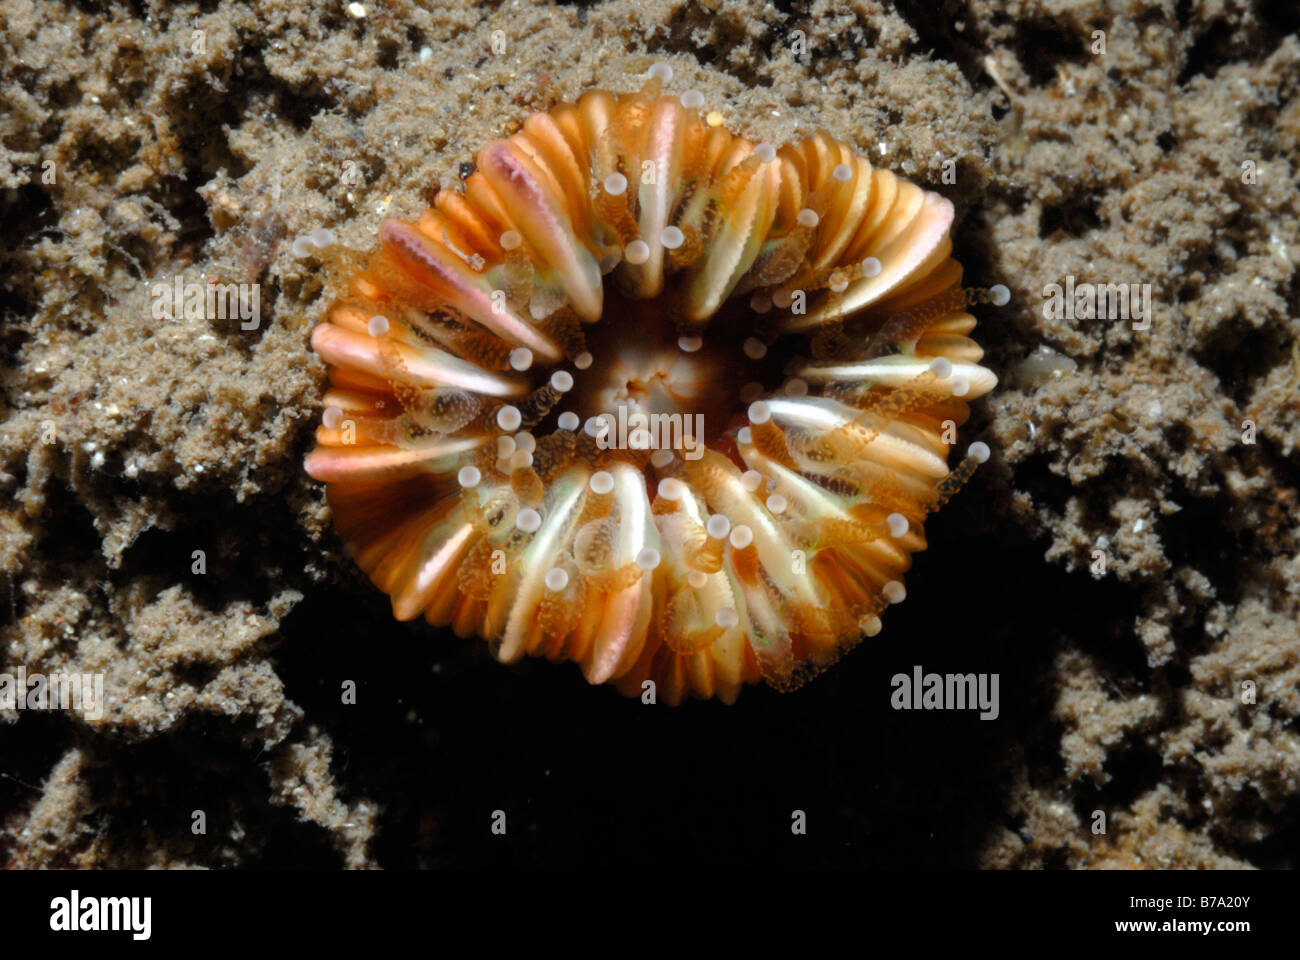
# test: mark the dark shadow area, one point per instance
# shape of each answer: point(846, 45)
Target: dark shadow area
point(1046, 44)
point(1071, 217)
point(1241, 355)
point(445, 736)
point(205, 772)
point(28, 751)
point(937, 27)
point(245, 561)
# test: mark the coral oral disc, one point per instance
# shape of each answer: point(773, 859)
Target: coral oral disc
point(651, 398)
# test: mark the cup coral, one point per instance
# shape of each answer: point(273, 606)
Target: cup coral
point(652, 398)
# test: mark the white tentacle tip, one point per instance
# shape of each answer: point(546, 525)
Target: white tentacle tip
point(671, 489)
point(741, 536)
point(509, 418)
point(637, 252)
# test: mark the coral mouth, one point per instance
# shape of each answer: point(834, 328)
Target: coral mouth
point(683, 432)
point(642, 365)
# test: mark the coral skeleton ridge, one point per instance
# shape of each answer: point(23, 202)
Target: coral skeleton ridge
point(652, 398)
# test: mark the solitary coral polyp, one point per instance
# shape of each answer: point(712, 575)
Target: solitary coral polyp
point(622, 261)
